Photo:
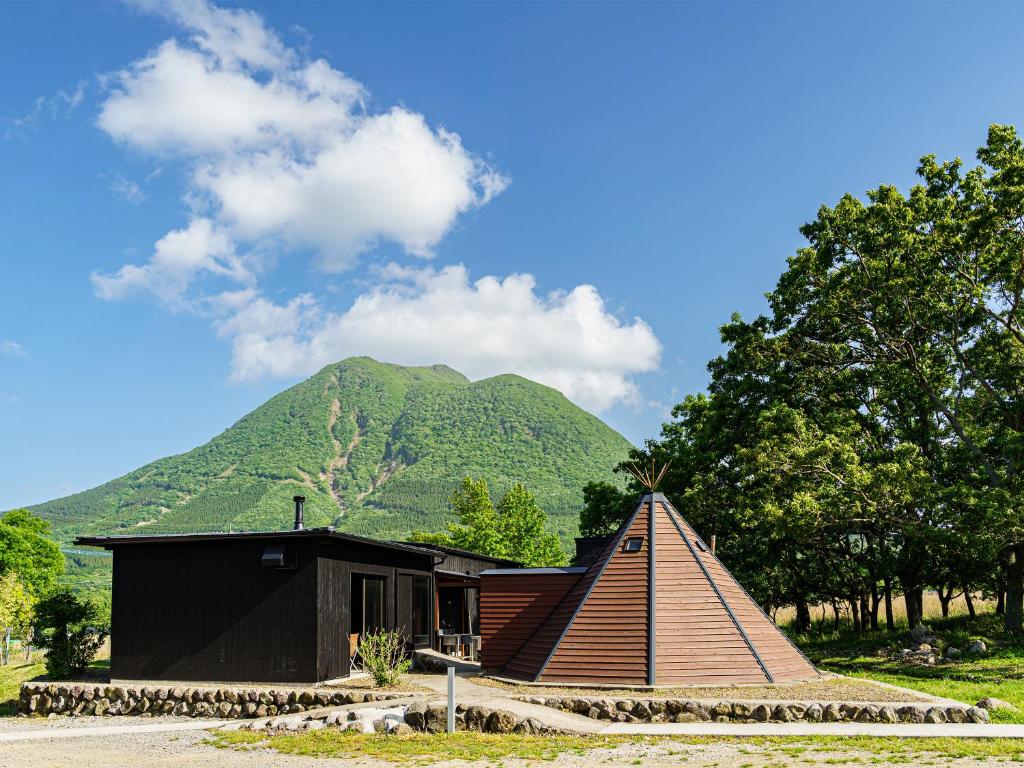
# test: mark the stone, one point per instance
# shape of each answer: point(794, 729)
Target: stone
point(306, 698)
point(697, 709)
point(476, 717)
point(380, 725)
point(868, 714)
point(920, 633)
point(977, 715)
point(721, 709)
point(813, 713)
point(229, 696)
point(888, 715)
point(210, 697)
point(911, 714)
point(977, 647)
point(235, 711)
point(401, 729)
point(740, 710)
point(593, 713)
point(956, 714)
point(523, 727)
point(436, 719)
point(656, 706)
point(850, 711)
point(624, 705)
point(415, 715)
point(323, 699)
point(663, 717)
point(990, 702)
point(782, 714)
point(722, 719)
point(686, 717)
point(832, 713)
point(641, 710)
point(935, 715)
point(952, 653)
point(500, 721)
point(761, 713)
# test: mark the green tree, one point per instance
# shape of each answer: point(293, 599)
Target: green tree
point(16, 612)
point(72, 629)
point(27, 549)
point(514, 530)
point(605, 507)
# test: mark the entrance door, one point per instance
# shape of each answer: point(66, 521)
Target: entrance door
point(413, 601)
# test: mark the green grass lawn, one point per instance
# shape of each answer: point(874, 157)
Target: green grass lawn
point(427, 749)
point(16, 673)
point(874, 655)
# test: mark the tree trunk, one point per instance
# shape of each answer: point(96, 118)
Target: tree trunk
point(865, 610)
point(944, 599)
point(6, 654)
point(890, 624)
point(803, 615)
point(1000, 598)
point(835, 615)
point(970, 602)
point(1014, 591)
point(876, 601)
point(913, 610)
point(855, 613)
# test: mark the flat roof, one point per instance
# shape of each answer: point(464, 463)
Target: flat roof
point(463, 553)
point(107, 542)
point(531, 571)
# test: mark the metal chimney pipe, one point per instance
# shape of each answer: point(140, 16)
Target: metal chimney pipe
point(299, 502)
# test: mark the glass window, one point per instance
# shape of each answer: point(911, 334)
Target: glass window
point(373, 604)
point(634, 544)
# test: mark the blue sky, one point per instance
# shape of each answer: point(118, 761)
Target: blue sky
point(200, 206)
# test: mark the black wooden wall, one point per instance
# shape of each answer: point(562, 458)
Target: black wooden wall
point(209, 611)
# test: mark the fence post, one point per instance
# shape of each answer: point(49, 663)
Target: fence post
point(451, 699)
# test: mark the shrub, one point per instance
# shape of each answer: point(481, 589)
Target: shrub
point(72, 630)
point(384, 657)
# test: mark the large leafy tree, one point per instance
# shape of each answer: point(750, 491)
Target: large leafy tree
point(27, 550)
point(870, 428)
point(515, 529)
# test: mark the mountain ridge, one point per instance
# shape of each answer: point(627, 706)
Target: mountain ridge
point(375, 447)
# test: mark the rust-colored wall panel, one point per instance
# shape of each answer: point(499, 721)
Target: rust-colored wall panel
point(512, 607)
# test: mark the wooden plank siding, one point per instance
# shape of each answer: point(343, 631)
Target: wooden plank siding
point(778, 654)
point(512, 607)
point(607, 639)
point(697, 641)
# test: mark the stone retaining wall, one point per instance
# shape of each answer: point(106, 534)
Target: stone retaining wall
point(691, 711)
point(223, 703)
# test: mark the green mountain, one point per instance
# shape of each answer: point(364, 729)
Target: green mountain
point(376, 449)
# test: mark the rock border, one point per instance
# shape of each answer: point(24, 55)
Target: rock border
point(694, 711)
point(73, 699)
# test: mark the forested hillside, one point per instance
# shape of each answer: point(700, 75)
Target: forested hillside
point(375, 448)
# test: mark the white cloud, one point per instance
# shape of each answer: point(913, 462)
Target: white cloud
point(12, 348)
point(282, 150)
point(180, 255)
point(127, 189)
point(569, 341)
point(60, 104)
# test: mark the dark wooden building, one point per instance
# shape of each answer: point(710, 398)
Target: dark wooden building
point(277, 606)
point(654, 607)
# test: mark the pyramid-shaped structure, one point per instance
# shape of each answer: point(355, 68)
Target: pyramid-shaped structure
point(658, 608)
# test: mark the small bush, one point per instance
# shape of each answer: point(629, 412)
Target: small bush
point(72, 631)
point(384, 657)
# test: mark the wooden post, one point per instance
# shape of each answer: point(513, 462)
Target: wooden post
point(714, 539)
